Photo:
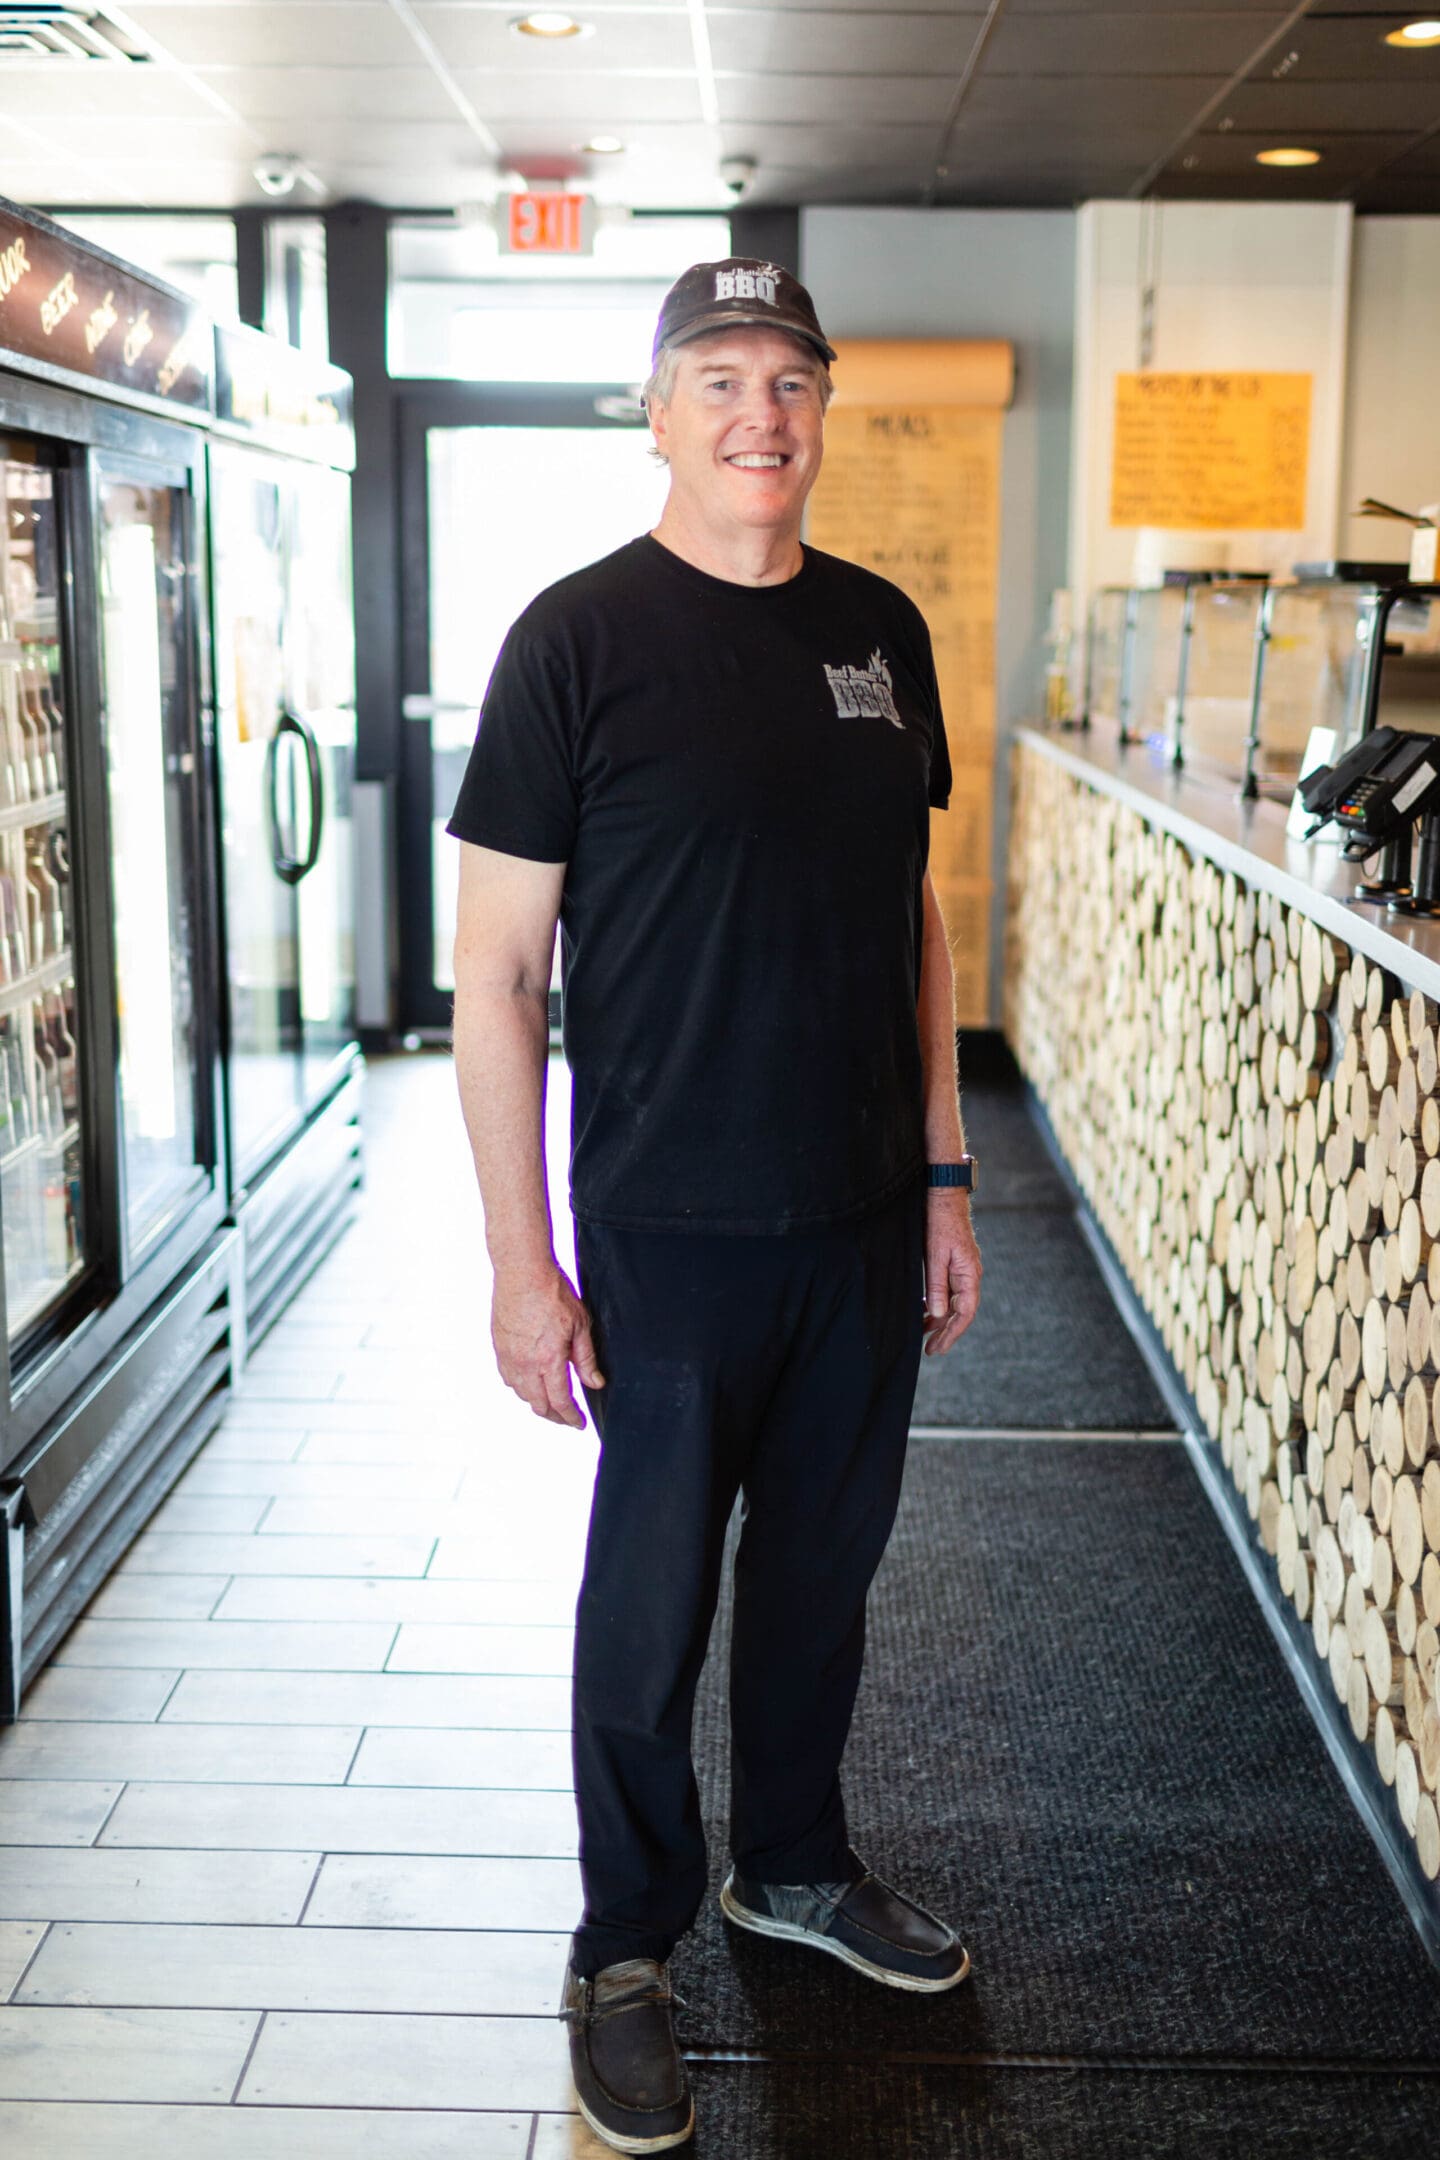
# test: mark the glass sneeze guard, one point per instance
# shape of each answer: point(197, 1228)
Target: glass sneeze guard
point(1105, 654)
point(1220, 674)
point(1154, 671)
point(1313, 670)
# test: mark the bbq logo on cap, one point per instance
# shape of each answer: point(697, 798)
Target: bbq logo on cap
point(743, 283)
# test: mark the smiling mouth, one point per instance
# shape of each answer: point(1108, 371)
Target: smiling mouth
point(758, 460)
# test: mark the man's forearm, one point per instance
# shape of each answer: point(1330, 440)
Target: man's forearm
point(944, 1133)
point(502, 1041)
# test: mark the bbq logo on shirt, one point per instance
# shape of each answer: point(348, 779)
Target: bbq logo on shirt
point(866, 693)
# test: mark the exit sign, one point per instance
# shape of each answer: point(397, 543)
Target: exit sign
point(548, 224)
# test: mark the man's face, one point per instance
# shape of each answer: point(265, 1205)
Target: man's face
point(744, 427)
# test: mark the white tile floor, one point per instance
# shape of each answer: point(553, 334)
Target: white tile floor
point(286, 1836)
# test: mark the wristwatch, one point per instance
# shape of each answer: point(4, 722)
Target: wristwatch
point(965, 1173)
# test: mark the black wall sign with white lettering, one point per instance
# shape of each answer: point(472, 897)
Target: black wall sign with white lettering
point(61, 302)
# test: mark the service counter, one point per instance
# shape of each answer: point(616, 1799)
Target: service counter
point(1241, 1066)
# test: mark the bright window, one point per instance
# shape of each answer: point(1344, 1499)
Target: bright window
point(460, 310)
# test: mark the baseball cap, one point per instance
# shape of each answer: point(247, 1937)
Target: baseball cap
point(713, 295)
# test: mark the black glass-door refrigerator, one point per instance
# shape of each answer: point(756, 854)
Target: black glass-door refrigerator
point(120, 1319)
point(280, 458)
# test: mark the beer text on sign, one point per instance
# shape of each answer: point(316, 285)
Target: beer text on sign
point(549, 224)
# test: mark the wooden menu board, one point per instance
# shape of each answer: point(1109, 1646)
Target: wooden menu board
point(911, 489)
point(1211, 452)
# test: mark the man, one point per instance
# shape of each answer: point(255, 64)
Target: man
point(712, 757)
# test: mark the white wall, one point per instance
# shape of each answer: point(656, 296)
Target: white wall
point(978, 273)
point(1237, 285)
point(1392, 412)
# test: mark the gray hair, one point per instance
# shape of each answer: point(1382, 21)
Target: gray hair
point(659, 386)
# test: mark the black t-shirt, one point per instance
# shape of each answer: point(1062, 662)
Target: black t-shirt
point(738, 779)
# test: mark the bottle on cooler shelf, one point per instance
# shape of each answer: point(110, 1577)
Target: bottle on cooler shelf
point(48, 1094)
point(14, 761)
point(46, 887)
point(42, 755)
point(57, 1021)
point(12, 1079)
point(14, 949)
point(48, 659)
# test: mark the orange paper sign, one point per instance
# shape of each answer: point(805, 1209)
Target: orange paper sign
point(1214, 452)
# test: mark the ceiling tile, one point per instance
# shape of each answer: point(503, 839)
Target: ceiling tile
point(658, 157)
point(1040, 191)
point(1289, 110)
point(278, 93)
point(717, 10)
point(591, 101)
point(834, 99)
point(1301, 185)
point(621, 38)
point(1342, 158)
point(1421, 157)
point(655, 138)
point(1160, 43)
point(111, 136)
point(1049, 110)
point(843, 148)
point(1347, 49)
point(155, 183)
point(408, 144)
point(431, 187)
point(145, 92)
point(270, 35)
point(1155, 7)
point(838, 41)
point(990, 150)
point(877, 190)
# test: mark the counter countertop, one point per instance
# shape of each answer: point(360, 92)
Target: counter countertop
point(1206, 812)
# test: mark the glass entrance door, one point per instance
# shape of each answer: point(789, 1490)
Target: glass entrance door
point(508, 509)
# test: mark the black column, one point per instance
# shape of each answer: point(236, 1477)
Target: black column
point(250, 265)
point(768, 235)
point(356, 248)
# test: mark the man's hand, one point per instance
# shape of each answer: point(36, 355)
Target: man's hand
point(952, 1269)
point(540, 1329)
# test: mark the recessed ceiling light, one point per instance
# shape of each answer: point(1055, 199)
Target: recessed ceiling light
point(603, 146)
point(1413, 34)
point(547, 23)
point(1287, 157)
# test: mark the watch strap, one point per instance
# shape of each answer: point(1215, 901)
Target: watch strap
point(962, 1173)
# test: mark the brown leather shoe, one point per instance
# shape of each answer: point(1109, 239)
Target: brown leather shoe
point(629, 2079)
point(865, 1922)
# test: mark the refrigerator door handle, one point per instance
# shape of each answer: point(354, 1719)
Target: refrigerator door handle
point(293, 867)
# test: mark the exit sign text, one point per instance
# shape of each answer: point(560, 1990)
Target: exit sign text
point(549, 224)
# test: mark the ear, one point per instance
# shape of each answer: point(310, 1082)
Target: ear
point(658, 418)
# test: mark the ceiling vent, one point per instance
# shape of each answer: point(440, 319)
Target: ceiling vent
point(43, 32)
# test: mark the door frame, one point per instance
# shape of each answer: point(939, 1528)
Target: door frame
point(423, 1010)
point(88, 1326)
point(183, 477)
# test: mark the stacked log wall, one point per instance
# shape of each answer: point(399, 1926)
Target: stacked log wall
point(1252, 1110)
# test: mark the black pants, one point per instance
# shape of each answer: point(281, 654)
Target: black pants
point(784, 1368)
